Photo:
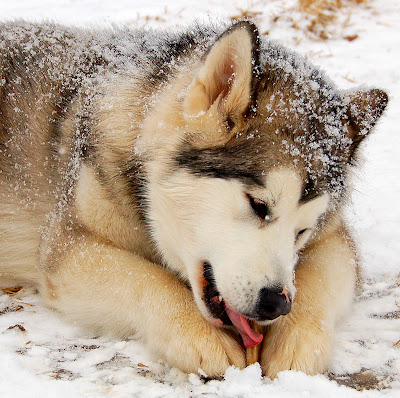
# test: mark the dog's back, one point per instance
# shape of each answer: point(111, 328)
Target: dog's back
point(42, 69)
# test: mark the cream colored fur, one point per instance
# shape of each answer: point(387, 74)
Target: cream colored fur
point(210, 86)
point(303, 340)
point(119, 292)
point(18, 228)
point(220, 226)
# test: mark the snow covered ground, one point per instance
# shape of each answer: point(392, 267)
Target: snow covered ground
point(41, 355)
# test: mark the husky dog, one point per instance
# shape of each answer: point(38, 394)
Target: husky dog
point(181, 188)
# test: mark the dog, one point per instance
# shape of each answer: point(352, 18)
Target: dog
point(186, 189)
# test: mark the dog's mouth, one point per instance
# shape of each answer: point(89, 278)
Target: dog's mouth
point(211, 296)
point(223, 312)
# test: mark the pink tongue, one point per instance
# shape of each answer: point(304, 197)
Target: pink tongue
point(249, 336)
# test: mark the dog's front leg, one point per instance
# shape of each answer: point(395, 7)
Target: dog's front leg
point(116, 291)
point(325, 282)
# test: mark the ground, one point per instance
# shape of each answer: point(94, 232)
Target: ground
point(43, 355)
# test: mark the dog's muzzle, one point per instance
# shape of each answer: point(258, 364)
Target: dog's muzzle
point(222, 312)
point(271, 303)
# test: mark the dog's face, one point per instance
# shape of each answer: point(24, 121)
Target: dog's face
point(238, 242)
point(256, 162)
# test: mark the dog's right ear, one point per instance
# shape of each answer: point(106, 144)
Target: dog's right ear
point(364, 109)
point(225, 78)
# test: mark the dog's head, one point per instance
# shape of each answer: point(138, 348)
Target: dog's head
point(254, 163)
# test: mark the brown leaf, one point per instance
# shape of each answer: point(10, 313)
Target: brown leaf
point(12, 290)
point(11, 309)
point(351, 37)
point(17, 326)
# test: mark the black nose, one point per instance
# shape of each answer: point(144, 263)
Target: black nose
point(273, 302)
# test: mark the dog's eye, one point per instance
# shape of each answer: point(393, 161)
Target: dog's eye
point(259, 207)
point(301, 232)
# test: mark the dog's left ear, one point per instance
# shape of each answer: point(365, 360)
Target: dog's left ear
point(365, 108)
point(225, 78)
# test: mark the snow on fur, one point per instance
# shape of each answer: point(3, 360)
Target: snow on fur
point(43, 354)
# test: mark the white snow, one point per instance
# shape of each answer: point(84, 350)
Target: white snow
point(47, 357)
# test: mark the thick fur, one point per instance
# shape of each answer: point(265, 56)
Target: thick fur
point(128, 160)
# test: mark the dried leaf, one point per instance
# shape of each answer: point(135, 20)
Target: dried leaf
point(351, 38)
point(11, 309)
point(17, 326)
point(12, 290)
point(322, 15)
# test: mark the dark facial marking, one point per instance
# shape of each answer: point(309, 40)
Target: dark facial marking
point(309, 191)
point(222, 162)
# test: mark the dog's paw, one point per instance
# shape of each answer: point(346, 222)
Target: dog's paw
point(201, 346)
point(294, 345)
